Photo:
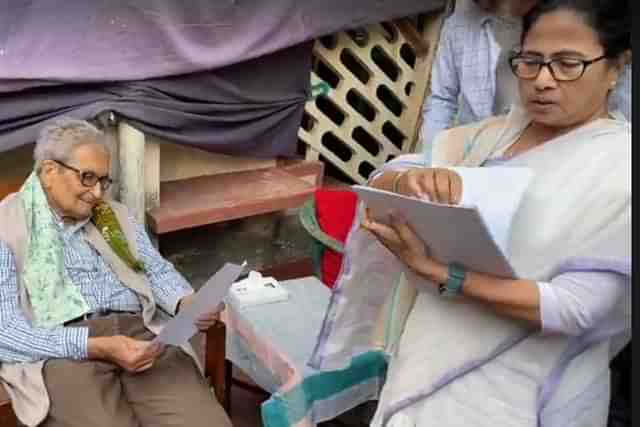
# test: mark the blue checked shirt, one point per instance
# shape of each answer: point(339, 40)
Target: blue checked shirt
point(463, 77)
point(21, 342)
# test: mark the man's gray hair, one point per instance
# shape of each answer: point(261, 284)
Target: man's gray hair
point(60, 138)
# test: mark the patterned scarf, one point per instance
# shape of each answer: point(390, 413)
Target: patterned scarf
point(54, 298)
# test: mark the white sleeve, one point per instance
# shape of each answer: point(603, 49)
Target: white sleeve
point(574, 303)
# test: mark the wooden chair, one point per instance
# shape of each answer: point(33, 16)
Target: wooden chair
point(211, 348)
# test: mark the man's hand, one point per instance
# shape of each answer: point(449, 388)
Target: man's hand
point(207, 320)
point(130, 354)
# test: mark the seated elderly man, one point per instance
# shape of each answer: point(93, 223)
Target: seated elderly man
point(82, 294)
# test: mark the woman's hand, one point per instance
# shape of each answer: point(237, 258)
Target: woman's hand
point(434, 184)
point(400, 238)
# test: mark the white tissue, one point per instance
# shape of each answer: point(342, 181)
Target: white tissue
point(257, 290)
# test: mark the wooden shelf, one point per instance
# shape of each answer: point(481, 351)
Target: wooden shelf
point(209, 199)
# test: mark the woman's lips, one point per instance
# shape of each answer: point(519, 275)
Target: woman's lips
point(542, 105)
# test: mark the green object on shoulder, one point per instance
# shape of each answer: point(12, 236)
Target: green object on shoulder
point(106, 221)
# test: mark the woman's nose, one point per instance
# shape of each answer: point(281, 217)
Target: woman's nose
point(545, 79)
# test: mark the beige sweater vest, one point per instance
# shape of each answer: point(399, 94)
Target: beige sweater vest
point(24, 382)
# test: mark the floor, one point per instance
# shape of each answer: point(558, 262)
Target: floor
point(263, 241)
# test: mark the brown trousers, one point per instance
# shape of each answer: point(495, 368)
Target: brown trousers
point(100, 394)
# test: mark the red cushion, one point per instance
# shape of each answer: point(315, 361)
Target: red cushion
point(335, 210)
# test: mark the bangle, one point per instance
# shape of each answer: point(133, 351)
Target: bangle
point(396, 181)
point(455, 281)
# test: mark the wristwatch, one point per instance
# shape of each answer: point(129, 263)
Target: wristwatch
point(455, 281)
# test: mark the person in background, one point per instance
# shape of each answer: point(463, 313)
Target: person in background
point(471, 79)
point(82, 295)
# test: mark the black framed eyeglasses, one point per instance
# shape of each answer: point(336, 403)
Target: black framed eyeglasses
point(88, 178)
point(562, 69)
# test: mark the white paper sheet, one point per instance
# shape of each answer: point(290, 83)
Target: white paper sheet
point(452, 233)
point(182, 327)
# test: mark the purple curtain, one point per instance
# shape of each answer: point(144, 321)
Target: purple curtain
point(231, 76)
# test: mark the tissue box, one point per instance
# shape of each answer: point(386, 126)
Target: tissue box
point(257, 290)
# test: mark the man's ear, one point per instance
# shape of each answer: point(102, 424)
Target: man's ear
point(48, 169)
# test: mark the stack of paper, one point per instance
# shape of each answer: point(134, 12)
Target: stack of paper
point(476, 233)
point(256, 290)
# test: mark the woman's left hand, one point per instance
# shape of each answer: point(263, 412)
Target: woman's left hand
point(400, 238)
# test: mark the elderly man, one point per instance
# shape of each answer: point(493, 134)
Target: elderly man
point(82, 294)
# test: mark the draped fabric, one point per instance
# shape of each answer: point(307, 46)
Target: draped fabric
point(231, 76)
point(252, 108)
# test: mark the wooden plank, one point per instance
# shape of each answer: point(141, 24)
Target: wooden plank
point(210, 199)
point(151, 175)
point(132, 178)
point(111, 137)
point(290, 270)
point(309, 171)
point(178, 161)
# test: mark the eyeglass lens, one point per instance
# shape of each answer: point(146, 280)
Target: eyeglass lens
point(561, 69)
point(90, 179)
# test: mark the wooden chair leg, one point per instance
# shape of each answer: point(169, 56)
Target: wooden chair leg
point(228, 379)
point(215, 362)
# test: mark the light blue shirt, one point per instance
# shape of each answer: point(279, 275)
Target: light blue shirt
point(463, 77)
point(102, 290)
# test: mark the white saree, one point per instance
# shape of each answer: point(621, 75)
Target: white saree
point(459, 364)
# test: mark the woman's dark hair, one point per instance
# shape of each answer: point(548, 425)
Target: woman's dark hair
point(610, 19)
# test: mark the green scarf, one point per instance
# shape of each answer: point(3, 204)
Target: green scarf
point(54, 298)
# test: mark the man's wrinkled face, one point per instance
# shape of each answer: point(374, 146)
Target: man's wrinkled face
point(63, 181)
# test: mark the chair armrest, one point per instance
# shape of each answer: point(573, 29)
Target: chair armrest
point(7, 417)
point(214, 361)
